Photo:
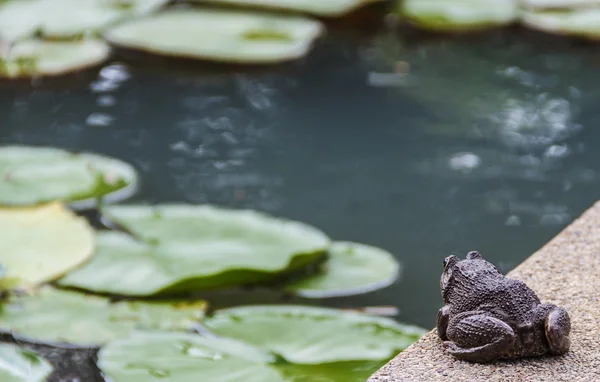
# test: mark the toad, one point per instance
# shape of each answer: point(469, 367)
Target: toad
point(487, 316)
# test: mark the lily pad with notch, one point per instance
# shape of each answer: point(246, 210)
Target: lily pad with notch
point(67, 19)
point(350, 269)
point(231, 36)
point(40, 244)
point(312, 335)
point(57, 316)
point(32, 175)
point(175, 248)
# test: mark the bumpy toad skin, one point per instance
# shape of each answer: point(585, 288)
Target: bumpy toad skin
point(487, 316)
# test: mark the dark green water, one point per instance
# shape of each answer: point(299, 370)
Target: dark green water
point(489, 144)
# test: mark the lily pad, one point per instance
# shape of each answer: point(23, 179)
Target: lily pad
point(40, 244)
point(246, 37)
point(63, 316)
point(66, 18)
point(330, 8)
point(179, 247)
point(310, 335)
point(584, 23)
point(351, 268)
point(21, 365)
point(459, 15)
point(558, 4)
point(38, 58)
point(179, 357)
point(354, 371)
point(33, 175)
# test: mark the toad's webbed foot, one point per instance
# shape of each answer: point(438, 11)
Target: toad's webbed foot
point(478, 337)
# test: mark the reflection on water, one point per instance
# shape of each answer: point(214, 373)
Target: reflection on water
point(485, 143)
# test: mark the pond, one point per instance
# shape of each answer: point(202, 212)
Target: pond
point(486, 144)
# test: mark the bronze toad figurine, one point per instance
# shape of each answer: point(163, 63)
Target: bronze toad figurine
point(487, 316)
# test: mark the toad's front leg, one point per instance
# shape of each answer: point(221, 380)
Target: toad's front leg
point(478, 337)
point(442, 322)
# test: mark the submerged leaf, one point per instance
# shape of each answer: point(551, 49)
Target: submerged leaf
point(31, 175)
point(62, 316)
point(179, 357)
point(220, 35)
point(329, 8)
point(449, 15)
point(40, 244)
point(182, 247)
point(355, 371)
point(351, 268)
point(21, 365)
point(309, 335)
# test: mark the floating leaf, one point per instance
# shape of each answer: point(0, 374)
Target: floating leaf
point(356, 371)
point(179, 357)
point(63, 316)
point(450, 15)
point(40, 244)
point(21, 365)
point(66, 18)
point(32, 175)
point(558, 4)
point(583, 23)
point(220, 35)
point(38, 58)
point(186, 247)
point(351, 268)
point(329, 8)
point(309, 335)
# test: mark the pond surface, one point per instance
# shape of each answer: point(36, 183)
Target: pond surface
point(488, 144)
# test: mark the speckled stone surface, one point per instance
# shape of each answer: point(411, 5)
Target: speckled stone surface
point(566, 272)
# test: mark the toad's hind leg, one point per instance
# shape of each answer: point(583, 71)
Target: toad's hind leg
point(557, 326)
point(477, 337)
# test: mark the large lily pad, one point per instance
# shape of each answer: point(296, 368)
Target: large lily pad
point(182, 247)
point(21, 365)
point(62, 316)
point(40, 244)
point(459, 15)
point(351, 268)
point(32, 175)
point(309, 335)
point(220, 35)
point(38, 58)
point(179, 357)
point(66, 18)
point(583, 23)
point(330, 8)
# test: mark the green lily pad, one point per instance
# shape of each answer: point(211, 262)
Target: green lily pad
point(179, 357)
point(39, 58)
point(66, 18)
point(558, 4)
point(459, 15)
point(180, 247)
point(21, 365)
point(355, 371)
point(584, 23)
point(330, 8)
point(309, 335)
point(33, 175)
point(246, 37)
point(63, 316)
point(41, 244)
point(351, 268)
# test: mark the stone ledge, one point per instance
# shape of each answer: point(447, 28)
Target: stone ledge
point(566, 272)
